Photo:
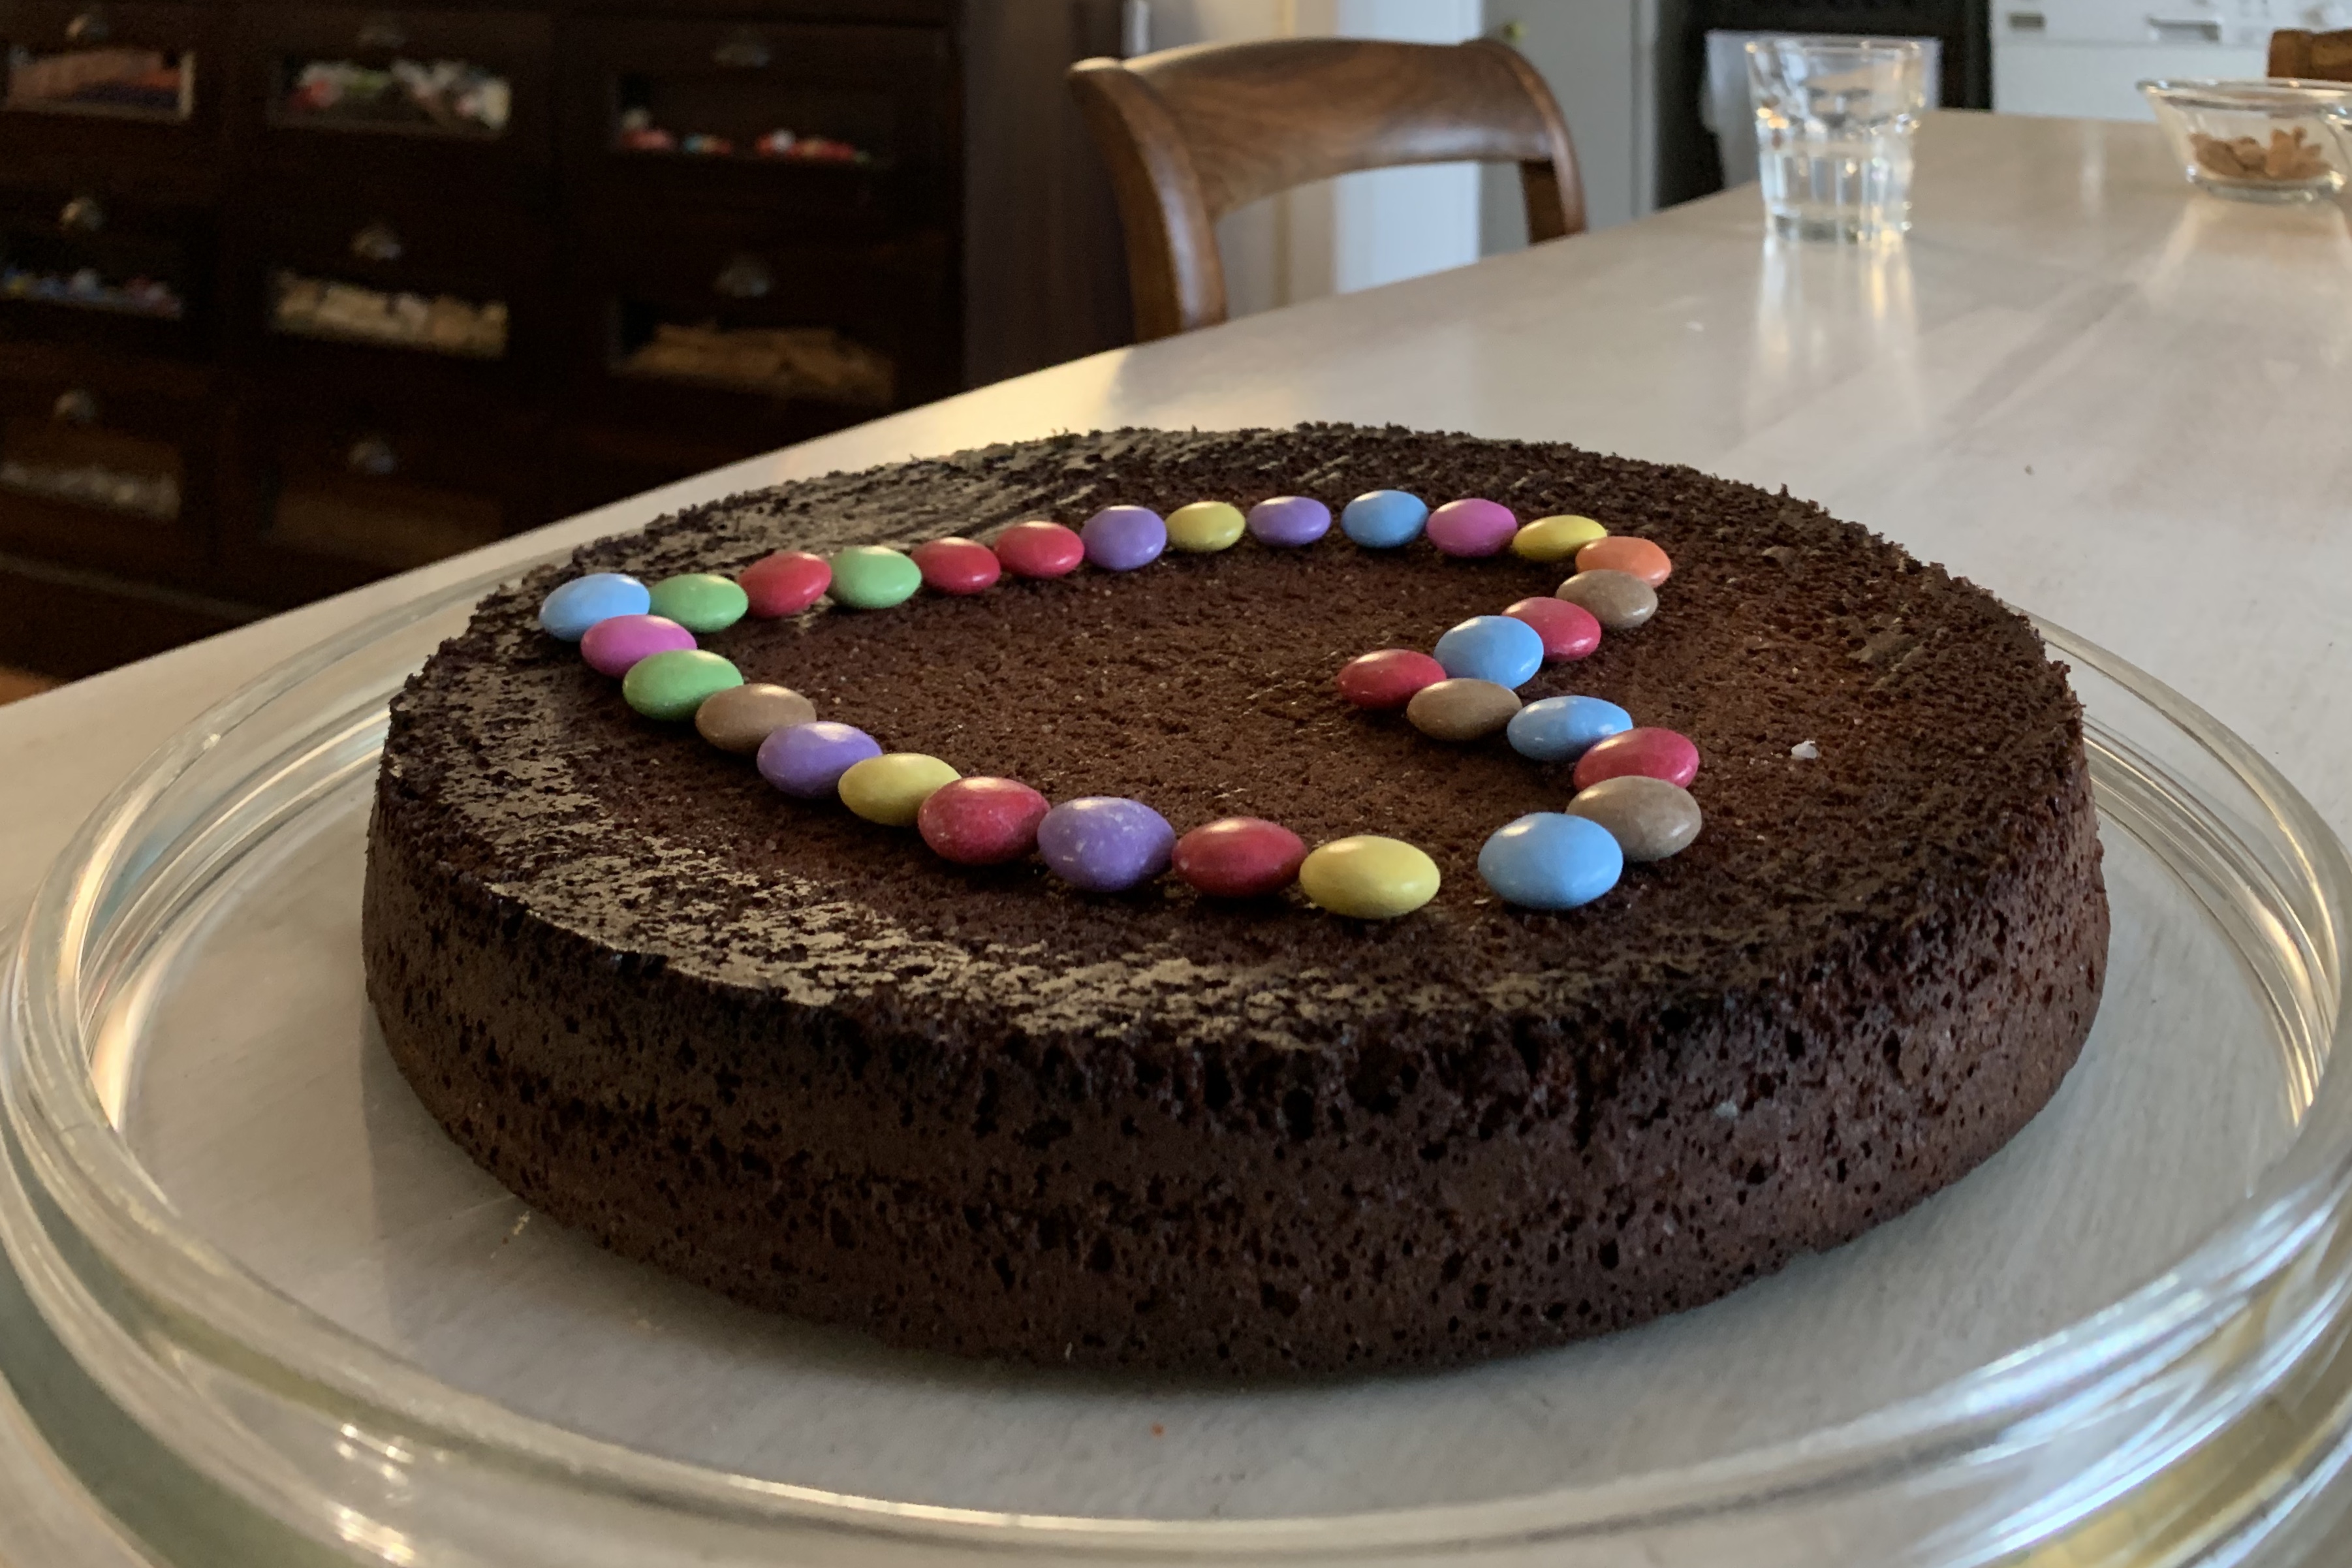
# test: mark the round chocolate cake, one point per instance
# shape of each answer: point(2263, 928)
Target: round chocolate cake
point(795, 1055)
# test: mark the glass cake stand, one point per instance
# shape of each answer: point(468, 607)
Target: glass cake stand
point(257, 1308)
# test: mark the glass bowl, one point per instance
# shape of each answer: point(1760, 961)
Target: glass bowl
point(2264, 140)
point(257, 1308)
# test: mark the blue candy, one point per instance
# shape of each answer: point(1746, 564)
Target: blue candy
point(1548, 861)
point(1382, 519)
point(1498, 648)
point(572, 609)
point(1560, 729)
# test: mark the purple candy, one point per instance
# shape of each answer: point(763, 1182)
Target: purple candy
point(1289, 520)
point(612, 646)
point(1472, 527)
point(1122, 538)
point(808, 759)
point(1105, 843)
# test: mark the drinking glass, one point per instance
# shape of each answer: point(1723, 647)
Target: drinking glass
point(1833, 123)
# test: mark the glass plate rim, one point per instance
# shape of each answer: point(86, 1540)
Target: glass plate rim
point(2158, 1330)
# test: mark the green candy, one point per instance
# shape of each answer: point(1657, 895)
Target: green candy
point(873, 577)
point(701, 601)
point(670, 685)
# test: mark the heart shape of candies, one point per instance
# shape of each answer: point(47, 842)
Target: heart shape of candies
point(1632, 801)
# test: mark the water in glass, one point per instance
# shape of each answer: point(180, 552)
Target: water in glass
point(1833, 123)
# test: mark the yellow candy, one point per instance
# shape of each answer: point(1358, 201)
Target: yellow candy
point(889, 789)
point(1369, 878)
point(1555, 537)
point(1203, 526)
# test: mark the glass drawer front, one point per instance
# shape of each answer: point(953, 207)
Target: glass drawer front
point(84, 258)
point(124, 83)
point(449, 98)
point(73, 458)
point(384, 522)
point(305, 306)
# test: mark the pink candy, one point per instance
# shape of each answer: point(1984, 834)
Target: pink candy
point(1569, 631)
point(1472, 527)
point(1643, 753)
point(611, 647)
point(1388, 678)
point(980, 821)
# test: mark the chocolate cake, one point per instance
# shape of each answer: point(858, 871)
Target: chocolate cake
point(798, 1058)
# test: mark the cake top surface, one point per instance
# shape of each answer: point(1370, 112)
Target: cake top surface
point(1878, 740)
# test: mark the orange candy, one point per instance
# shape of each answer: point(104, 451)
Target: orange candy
point(1622, 552)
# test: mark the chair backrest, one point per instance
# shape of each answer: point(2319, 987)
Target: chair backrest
point(2316, 57)
point(1189, 135)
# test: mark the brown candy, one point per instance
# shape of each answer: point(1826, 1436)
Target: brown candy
point(1461, 709)
point(739, 718)
point(1618, 600)
point(1650, 818)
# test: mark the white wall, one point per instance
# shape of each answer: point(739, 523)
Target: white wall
point(1600, 58)
point(1359, 230)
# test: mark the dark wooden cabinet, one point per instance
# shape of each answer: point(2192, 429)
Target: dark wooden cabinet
point(294, 295)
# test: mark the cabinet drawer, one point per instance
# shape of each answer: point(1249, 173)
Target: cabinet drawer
point(92, 88)
point(79, 264)
point(343, 488)
point(342, 94)
point(106, 462)
point(781, 116)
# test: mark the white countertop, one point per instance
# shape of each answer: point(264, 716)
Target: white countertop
point(2110, 399)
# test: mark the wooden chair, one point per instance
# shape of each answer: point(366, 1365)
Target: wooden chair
point(1189, 135)
point(2316, 57)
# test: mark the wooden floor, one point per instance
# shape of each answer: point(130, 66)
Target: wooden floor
point(16, 683)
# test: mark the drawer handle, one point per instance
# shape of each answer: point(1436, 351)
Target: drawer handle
point(744, 51)
point(380, 32)
point(83, 215)
point(377, 242)
point(373, 457)
point(745, 276)
point(90, 27)
point(76, 407)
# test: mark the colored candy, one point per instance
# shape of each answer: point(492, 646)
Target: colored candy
point(957, 565)
point(1040, 549)
point(701, 601)
point(890, 789)
point(670, 685)
point(741, 719)
point(1368, 877)
point(1547, 861)
point(574, 606)
point(1289, 521)
point(1555, 537)
point(784, 584)
point(808, 759)
point(1651, 753)
point(1499, 649)
point(1205, 526)
point(1472, 527)
point(1105, 843)
point(1239, 858)
point(981, 821)
point(873, 577)
point(1461, 709)
point(1569, 631)
point(617, 642)
point(1388, 678)
point(1635, 557)
point(1122, 538)
point(1618, 600)
point(1650, 818)
point(1382, 519)
point(1559, 729)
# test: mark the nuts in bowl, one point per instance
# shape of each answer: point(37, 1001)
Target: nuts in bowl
point(2277, 141)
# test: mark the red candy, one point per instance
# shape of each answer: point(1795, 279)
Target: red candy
point(1388, 678)
point(957, 565)
point(1040, 549)
point(784, 584)
point(1649, 753)
point(1239, 858)
point(980, 821)
point(1569, 631)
